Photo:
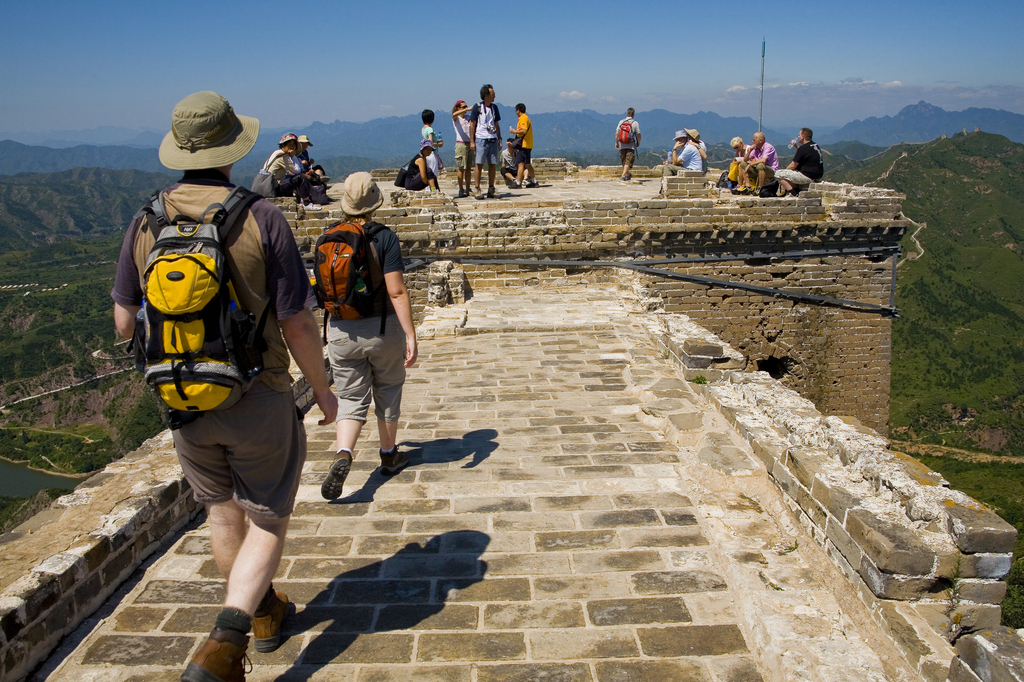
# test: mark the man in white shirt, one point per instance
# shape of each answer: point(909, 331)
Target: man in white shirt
point(485, 137)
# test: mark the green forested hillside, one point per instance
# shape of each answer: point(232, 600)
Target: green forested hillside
point(57, 330)
point(958, 347)
point(41, 208)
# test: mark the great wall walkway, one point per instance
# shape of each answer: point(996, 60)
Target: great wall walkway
point(542, 532)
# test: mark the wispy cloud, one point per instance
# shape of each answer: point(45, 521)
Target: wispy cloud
point(856, 97)
point(386, 106)
point(572, 94)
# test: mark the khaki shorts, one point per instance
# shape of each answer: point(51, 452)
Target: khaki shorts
point(463, 156)
point(627, 156)
point(253, 452)
point(367, 364)
point(754, 168)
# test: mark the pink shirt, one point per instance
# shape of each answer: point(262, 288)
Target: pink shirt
point(767, 154)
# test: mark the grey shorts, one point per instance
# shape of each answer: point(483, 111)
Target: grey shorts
point(486, 151)
point(253, 452)
point(793, 177)
point(367, 364)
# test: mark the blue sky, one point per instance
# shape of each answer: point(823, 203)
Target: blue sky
point(75, 65)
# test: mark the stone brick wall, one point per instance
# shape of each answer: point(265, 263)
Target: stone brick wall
point(895, 529)
point(837, 358)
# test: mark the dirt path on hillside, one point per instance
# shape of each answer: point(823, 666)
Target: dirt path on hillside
point(954, 453)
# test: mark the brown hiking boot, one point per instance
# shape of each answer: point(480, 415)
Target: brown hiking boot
point(333, 482)
point(266, 628)
point(393, 463)
point(222, 659)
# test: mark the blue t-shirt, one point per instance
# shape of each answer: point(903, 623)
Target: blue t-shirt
point(689, 158)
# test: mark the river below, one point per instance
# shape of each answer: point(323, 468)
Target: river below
point(17, 480)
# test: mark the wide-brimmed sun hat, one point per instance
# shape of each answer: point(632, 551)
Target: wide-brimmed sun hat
point(288, 137)
point(680, 134)
point(361, 195)
point(692, 134)
point(206, 133)
point(305, 140)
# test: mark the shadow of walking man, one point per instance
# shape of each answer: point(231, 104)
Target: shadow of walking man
point(364, 612)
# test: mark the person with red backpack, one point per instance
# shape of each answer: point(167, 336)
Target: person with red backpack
point(371, 339)
point(627, 141)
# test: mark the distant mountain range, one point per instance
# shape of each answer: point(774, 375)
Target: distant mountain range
point(103, 135)
point(922, 122)
point(16, 157)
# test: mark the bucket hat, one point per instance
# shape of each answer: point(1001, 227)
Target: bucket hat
point(361, 195)
point(693, 134)
point(288, 137)
point(206, 133)
point(305, 140)
point(680, 134)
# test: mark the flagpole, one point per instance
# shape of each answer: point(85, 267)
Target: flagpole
point(760, 108)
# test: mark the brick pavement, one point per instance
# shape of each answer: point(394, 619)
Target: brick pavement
point(542, 532)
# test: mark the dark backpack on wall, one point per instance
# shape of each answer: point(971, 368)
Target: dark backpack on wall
point(770, 190)
point(404, 171)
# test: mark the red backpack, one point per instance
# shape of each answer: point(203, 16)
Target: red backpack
point(345, 284)
point(626, 132)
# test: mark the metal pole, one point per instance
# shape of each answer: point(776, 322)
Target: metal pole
point(760, 108)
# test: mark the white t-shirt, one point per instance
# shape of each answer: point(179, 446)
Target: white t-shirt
point(434, 164)
point(485, 129)
point(632, 140)
point(461, 129)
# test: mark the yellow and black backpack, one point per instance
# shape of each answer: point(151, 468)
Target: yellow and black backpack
point(199, 350)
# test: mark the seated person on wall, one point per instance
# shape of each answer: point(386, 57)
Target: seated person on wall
point(685, 154)
point(420, 175)
point(291, 182)
point(737, 179)
point(808, 165)
point(759, 164)
point(314, 173)
point(509, 167)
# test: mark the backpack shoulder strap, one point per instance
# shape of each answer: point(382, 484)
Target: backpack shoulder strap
point(154, 206)
point(372, 229)
point(230, 210)
point(159, 211)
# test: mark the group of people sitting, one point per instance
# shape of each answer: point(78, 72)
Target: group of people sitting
point(754, 166)
point(477, 140)
point(290, 172)
point(757, 164)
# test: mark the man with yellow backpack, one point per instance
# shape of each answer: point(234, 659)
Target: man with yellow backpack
point(212, 290)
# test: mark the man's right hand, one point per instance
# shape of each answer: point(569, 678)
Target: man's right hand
point(472, 145)
point(328, 404)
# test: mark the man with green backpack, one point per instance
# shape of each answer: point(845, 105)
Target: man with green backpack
point(212, 290)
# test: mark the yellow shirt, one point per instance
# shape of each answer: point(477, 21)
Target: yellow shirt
point(525, 124)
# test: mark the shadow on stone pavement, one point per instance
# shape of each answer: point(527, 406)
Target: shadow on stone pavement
point(391, 595)
point(476, 445)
